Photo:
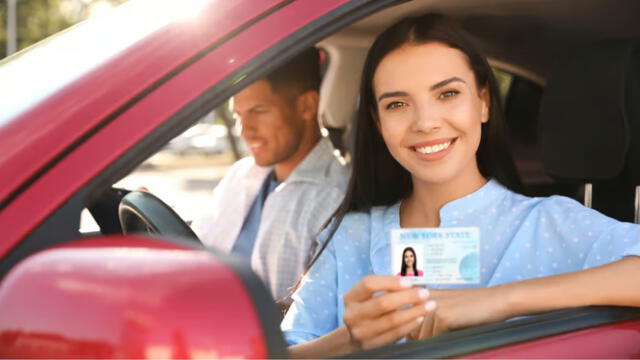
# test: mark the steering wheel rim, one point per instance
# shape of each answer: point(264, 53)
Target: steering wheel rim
point(141, 211)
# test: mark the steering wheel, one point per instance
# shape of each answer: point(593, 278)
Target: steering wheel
point(143, 212)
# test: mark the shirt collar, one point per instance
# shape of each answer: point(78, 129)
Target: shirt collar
point(490, 193)
point(314, 163)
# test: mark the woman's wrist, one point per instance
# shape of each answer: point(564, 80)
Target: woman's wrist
point(509, 300)
point(335, 343)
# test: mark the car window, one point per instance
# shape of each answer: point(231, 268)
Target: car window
point(504, 79)
point(184, 172)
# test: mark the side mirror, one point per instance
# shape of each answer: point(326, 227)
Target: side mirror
point(135, 297)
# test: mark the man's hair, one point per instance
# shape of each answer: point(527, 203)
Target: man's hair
point(298, 75)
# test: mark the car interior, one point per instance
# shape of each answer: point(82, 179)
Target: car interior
point(553, 64)
point(569, 74)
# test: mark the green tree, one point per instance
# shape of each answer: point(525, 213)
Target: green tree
point(38, 19)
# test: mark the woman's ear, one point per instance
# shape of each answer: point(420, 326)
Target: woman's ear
point(486, 103)
point(307, 105)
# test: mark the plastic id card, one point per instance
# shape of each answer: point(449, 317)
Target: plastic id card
point(436, 255)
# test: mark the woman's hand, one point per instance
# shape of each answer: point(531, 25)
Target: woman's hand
point(377, 320)
point(458, 309)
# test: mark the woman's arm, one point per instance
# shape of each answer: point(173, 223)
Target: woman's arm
point(332, 344)
point(616, 283)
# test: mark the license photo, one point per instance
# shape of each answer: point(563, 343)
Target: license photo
point(436, 255)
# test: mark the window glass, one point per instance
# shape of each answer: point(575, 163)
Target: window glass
point(184, 172)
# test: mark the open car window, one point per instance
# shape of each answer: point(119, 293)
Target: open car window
point(185, 170)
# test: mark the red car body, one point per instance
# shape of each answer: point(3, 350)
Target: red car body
point(123, 296)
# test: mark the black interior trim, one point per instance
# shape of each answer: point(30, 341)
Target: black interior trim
point(485, 337)
point(104, 210)
point(61, 227)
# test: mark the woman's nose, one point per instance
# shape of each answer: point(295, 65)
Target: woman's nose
point(426, 119)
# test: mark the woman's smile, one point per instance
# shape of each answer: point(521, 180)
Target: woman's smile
point(433, 150)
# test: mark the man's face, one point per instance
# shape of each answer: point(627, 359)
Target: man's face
point(271, 126)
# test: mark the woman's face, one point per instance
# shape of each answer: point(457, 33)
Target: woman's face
point(409, 259)
point(430, 111)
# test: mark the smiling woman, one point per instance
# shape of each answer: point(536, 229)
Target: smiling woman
point(432, 117)
point(430, 134)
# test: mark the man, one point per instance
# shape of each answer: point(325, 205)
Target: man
point(270, 207)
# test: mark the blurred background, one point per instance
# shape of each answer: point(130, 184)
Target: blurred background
point(25, 22)
point(186, 170)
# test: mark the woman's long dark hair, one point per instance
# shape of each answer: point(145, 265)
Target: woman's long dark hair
point(377, 178)
point(403, 269)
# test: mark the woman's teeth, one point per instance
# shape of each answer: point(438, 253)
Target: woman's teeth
point(433, 149)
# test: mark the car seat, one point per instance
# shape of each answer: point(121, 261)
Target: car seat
point(589, 126)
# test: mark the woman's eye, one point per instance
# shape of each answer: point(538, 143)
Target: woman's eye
point(449, 94)
point(395, 105)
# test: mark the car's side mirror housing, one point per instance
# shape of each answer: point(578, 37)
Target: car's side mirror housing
point(133, 297)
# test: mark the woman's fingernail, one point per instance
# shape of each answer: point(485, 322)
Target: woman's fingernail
point(420, 319)
point(430, 305)
point(405, 283)
point(423, 294)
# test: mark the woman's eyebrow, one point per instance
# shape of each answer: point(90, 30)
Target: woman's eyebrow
point(392, 94)
point(433, 87)
point(445, 83)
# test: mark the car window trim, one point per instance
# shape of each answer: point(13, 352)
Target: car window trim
point(496, 335)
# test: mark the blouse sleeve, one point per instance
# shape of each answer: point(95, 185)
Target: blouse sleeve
point(603, 239)
point(313, 312)
point(617, 241)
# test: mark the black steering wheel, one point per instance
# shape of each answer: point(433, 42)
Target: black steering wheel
point(143, 212)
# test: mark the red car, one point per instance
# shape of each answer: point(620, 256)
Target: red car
point(83, 108)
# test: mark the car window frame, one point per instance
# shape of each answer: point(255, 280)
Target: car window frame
point(513, 332)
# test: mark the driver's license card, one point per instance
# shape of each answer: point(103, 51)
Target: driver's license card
point(436, 255)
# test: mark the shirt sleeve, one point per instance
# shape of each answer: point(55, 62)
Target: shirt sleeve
point(314, 309)
point(617, 241)
point(220, 201)
point(605, 239)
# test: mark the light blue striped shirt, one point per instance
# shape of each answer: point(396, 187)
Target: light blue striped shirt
point(521, 238)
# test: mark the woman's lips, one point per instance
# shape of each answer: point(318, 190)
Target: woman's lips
point(434, 150)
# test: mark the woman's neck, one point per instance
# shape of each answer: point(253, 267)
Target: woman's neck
point(422, 207)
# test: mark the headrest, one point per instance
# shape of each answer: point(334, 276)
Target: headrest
point(589, 122)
